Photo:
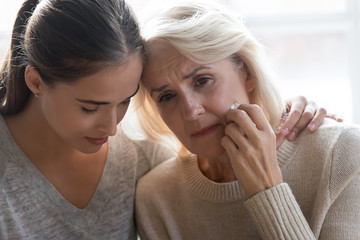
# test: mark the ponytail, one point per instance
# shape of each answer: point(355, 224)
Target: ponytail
point(13, 90)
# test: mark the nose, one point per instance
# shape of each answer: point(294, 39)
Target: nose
point(192, 107)
point(109, 124)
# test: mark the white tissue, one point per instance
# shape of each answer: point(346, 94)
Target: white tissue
point(235, 106)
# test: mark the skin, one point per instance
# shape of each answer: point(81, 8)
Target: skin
point(71, 123)
point(194, 101)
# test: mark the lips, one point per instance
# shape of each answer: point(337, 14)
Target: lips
point(97, 141)
point(205, 131)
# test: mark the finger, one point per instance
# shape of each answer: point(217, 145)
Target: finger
point(256, 115)
point(317, 120)
point(305, 119)
point(335, 117)
point(229, 146)
point(242, 120)
point(295, 111)
point(280, 138)
point(234, 133)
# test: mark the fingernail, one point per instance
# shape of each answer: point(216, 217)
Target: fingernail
point(291, 136)
point(284, 131)
point(312, 126)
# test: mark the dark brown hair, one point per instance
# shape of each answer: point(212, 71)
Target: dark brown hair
point(65, 40)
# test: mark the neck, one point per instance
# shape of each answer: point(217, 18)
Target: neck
point(217, 169)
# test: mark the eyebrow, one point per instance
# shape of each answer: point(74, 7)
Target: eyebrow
point(92, 102)
point(105, 103)
point(194, 72)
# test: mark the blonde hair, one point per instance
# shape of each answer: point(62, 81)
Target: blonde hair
point(206, 32)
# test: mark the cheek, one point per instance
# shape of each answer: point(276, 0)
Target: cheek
point(223, 96)
point(64, 119)
point(220, 100)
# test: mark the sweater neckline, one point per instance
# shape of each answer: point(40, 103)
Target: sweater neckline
point(50, 193)
point(212, 191)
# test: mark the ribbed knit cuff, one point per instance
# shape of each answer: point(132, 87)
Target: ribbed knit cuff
point(277, 215)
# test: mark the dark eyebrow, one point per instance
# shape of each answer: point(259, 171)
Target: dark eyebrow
point(194, 72)
point(92, 102)
point(104, 103)
point(159, 89)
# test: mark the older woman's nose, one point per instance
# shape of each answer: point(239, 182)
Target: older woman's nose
point(192, 108)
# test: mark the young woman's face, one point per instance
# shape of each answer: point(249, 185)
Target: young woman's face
point(85, 113)
point(192, 99)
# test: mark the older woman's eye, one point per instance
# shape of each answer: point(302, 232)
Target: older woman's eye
point(202, 81)
point(166, 97)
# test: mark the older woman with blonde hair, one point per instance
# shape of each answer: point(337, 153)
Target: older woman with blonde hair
point(206, 81)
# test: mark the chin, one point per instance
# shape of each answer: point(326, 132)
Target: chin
point(89, 150)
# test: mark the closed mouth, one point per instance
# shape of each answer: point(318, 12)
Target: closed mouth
point(205, 130)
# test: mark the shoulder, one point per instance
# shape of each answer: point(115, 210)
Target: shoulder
point(333, 140)
point(343, 141)
point(154, 152)
point(162, 179)
point(340, 138)
point(332, 127)
point(330, 135)
point(162, 174)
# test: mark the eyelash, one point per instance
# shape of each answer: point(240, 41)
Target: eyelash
point(166, 97)
point(88, 111)
point(202, 78)
point(91, 111)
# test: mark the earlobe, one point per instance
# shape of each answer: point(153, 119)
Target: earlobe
point(33, 80)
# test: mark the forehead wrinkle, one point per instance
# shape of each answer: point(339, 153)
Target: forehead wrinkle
point(167, 64)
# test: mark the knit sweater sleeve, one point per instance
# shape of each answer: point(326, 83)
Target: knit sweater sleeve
point(342, 219)
point(277, 215)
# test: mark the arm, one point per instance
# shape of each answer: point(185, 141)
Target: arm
point(251, 146)
point(277, 215)
point(272, 205)
point(342, 219)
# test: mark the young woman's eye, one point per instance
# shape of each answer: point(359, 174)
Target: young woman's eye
point(88, 111)
point(166, 97)
point(202, 81)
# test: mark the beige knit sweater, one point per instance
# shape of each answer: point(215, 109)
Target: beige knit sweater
point(319, 199)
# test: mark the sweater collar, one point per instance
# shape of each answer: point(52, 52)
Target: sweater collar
point(224, 192)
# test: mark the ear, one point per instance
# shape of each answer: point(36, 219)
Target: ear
point(33, 80)
point(250, 83)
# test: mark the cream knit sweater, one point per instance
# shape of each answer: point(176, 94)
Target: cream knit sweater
point(319, 199)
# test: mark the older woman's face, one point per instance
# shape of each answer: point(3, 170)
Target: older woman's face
point(192, 98)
